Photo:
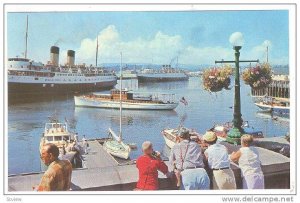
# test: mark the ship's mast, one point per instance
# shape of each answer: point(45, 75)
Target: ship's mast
point(97, 53)
point(26, 37)
point(121, 97)
point(267, 54)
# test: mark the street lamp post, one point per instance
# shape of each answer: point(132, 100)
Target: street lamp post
point(234, 135)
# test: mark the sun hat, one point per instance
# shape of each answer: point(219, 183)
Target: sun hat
point(209, 136)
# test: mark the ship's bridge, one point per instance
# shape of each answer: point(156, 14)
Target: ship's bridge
point(22, 64)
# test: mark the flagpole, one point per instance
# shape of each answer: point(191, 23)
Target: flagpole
point(97, 53)
point(121, 97)
point(26, 37)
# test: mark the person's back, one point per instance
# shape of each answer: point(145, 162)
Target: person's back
point(218, 162)
point(248, 158)
point(187, 159)
point(57, 177)
point(249, 161)
point(217, 156)
point(190, 151)
point(148, 172)
point(148, 165)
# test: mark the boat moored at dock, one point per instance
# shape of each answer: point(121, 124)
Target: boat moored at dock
point(171, 135)
point(116, 147)
point(270, 104)
point(130, 100)
point(58, 134)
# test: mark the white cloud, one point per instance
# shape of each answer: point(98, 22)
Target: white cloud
point(161, 48)
point(260, 51)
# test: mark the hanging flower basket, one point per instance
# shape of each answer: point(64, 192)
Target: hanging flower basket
point(258, 77)
point(215, 79)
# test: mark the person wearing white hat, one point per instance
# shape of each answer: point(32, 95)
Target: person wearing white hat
point(218, 161)
point(249, 162)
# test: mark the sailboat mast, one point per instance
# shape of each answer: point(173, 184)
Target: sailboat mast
point(121, 97)
point(97, 53)
point(26, 37)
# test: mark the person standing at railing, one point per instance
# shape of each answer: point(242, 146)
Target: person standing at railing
point(148, 165)
point(59, 172)
point(249, 162)
point(218, 161)
point(187, 159)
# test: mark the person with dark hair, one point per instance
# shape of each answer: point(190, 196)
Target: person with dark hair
point(59, 172)
point(187, 159)
point(218, 161)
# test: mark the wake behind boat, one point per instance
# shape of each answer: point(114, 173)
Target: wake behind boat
point(130, 100)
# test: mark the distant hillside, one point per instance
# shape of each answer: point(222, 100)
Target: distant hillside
point(278, 69)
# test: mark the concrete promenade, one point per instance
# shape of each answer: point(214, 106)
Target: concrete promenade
point(103, 173)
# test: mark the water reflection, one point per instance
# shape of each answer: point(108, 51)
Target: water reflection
point(26, 119)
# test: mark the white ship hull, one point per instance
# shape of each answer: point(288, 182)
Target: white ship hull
point(88, 102)
point(266, 107)
point(148, 77)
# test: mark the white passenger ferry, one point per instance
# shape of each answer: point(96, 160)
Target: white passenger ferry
point(165, 74)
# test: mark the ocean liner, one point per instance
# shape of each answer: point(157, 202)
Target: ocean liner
point(28, 76)
point(165, 74)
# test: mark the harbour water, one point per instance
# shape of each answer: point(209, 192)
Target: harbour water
point(26, 119)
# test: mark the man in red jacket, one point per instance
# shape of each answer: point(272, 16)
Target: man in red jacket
point(148, 165)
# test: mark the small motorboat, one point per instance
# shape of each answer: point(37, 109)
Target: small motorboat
point(270, 104)
point(222, 130)
point(171, 135)
point(57, 133)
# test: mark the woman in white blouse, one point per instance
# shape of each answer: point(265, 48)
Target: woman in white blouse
point(248, 159)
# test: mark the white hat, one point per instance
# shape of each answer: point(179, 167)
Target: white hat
point(209, 136)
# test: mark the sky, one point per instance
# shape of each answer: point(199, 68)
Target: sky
point(195, 37)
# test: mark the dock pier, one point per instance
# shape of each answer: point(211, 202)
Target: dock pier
point(101, 172)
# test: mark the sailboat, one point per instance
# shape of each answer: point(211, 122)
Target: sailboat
point(115, 145)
